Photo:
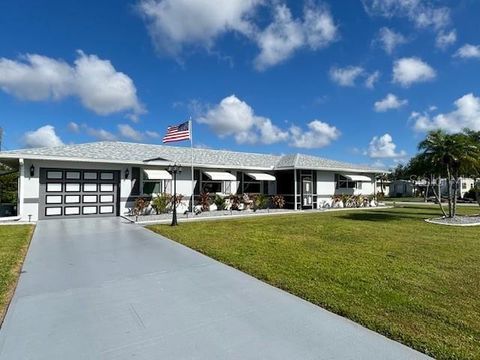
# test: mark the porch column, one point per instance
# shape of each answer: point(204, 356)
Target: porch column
point(21, 185)
point(295, 189)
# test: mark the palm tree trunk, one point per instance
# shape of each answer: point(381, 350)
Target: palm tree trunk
point(438, 196)
point(455, 194)
point(476, 186)
point(449, 192)
point(425, 196)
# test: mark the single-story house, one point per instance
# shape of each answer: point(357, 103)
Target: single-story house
point(464, 186)
point(104, 178)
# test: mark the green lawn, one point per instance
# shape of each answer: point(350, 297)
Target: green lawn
point(14, 241)
point(415, 282)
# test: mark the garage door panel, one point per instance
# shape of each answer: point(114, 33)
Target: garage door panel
point(78, 192)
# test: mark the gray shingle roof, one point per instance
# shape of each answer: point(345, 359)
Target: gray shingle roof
point(113, 151)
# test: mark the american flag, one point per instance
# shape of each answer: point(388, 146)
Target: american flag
point(177, 132)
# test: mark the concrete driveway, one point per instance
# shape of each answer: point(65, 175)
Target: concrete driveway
point(106, 289)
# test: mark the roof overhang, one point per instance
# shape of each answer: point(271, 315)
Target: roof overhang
point(156, 174)
point(220, 176)
point(261, 176)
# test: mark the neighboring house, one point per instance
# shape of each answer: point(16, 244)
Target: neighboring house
point(105, 178)
point(383, 186)
point(464, 186)
point(401, 188)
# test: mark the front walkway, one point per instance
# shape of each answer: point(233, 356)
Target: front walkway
point(106, 289)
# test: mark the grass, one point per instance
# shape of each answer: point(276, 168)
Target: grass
point(414, 282)
point(14, 241)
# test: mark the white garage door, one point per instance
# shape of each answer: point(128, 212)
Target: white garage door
point(78, 193)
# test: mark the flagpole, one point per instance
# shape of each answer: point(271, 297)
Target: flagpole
point(190, 126)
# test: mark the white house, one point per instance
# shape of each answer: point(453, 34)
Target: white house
point(464, 186)
point(105, 178)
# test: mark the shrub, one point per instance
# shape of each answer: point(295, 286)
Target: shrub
point(161, 202)
point(278, 201)
point(471, 194)
point(179, 199)
point(219, 201)
point(260, 201)
point(235, 200)
point(205, 201)
point(380, 196)
point(141, 203)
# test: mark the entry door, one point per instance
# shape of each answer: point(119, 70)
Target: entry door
point(307, 192)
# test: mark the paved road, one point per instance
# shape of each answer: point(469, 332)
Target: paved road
point(106, 289)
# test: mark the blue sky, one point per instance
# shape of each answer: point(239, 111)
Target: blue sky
point(359, 81)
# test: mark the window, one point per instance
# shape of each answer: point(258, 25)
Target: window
point(464, 185)
point(75, 175)
point(210, 186)
point(343, 183)
point(54, 175)
point(250, 185)
point(157, 187)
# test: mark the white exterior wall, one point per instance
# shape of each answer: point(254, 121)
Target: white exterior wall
point(30, 185)
point(326, 186)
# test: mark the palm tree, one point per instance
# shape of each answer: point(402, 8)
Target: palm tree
point(421, 167)
point(459, 154)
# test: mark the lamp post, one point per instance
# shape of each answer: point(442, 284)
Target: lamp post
point(174, 169)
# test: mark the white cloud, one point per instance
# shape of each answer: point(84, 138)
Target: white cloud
point(319, 134)
point(468, 51)
point(390, 39)
point(233, 116)
point(98, 85)
point(174, 24)
point(128, 132)
point(346, 76)
point(422, 13)
point(280, 39)
point(445, 39)
point(372, 79)
point(100, 134)
point(390, 102)
point(103, 89)
point(152, 134)
point(44, 136)
point(123, 131)
point(407, 71)
point(384, 147)
point(466, 115)
point(379, 164)
point(73, 127)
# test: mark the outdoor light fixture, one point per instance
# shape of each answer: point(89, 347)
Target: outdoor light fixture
point(127, 173)
point(32, 170)
point(174, 169)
